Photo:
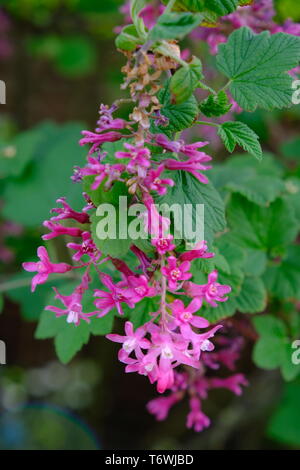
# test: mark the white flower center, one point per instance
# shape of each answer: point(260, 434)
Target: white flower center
point(167, 353)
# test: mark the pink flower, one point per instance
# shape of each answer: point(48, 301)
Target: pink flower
point(139, 288)
point(163, 245)
point(155, 183)
point(57, 230)
point(199, 251)
point(212, 292)
point(156, 224)
point(98, 139)
point(66, 212)
point(191, 150)
point(171, 146)
point(106, 120)
point(161, 406)
point(175, 273)
point(142, 257)
point(184, 315)
point(73, 309)
point(233, 383)
point(169, 353)
point(44, 267)
point(196, 419)
point(87, 247)
point(132, 340)
point(139, 159)
point(102, 171)
point(192, 165)
point(114, 298)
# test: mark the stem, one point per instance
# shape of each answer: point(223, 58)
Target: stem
point(206, 87)
point(225, 86)
point(163, 296)
point(169, 6)
point(207, 123)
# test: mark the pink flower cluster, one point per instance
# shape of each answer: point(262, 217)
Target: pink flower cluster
point(175, 344)
point(196, 384)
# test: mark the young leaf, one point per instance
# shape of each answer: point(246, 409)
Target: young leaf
point(256, 65)
point(180, 116)
point(233, 133)
point(135, 7)
point(174, 25)
point(185, 80)
point(128, 38)
point(215, 105)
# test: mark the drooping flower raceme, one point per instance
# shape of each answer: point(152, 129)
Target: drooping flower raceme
point(153, 283)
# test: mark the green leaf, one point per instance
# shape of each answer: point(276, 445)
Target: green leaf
point(261, 228)
point(101, 195)
point(70, 340)
point(180, 116)
point(128, 38)
point(77, 56)
point(292, 196)
point(113, 246)
point(18, 153)
point(256, 65)
point(269, 349)
point(219, 7)
point(253, 296)
point(283, 279)
point(255, 262)
point(215, 105)
point(174, 25)
point(185, 80)
point(274, 348)
point(73, 56)
point(224, 310)
point(260, 189)
point(141, 313)
point(233, 276)
point(233, 133)
point(188, 190)
point(31, 304)
point(284, 423)
point(135, 8)
point(53, 160)
point(291, 148)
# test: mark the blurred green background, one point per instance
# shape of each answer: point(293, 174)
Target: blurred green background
point(59, 62)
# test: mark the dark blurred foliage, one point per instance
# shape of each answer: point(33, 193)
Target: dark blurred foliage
point(59, 63)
